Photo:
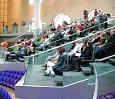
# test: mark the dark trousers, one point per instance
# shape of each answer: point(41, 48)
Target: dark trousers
point(77, 63)
point(57, 70)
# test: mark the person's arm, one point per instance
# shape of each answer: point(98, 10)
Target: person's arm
point(60, 61)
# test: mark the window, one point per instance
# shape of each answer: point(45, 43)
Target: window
point(31, 2)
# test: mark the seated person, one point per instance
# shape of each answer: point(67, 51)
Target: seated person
point(98, 41)
point(101, 40)
point(77, 49)
point(58, 38)
point(52, 65)
point(21, 52)
point(41, 40)
point(72, 47)
point(85, 54)
point(13, 54)
point(70, 33)
point(44, 43)
point(54, 58)
point(13, 50)
point(108, 47)
point(95, 38)
point(31, 47)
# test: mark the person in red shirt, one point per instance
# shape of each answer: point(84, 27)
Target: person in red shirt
point(59, 27)
point(79, 27)
point(4, 44)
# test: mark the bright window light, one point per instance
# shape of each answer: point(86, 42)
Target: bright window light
point(31, 2)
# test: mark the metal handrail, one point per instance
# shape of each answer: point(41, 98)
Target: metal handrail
point(108, 57)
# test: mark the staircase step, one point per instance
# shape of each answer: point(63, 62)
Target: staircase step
point(71, 73)
point(58, 78)
point(86, 69)
point(100, 64)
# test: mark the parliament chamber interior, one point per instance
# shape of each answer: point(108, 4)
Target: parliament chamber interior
point(57, 49)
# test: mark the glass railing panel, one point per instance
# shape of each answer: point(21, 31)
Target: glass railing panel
point(22, 29)
point(3, 52)
point(106, 80)
point(91, 87)
point(28, 74)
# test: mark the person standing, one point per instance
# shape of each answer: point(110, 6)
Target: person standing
point(4, 44)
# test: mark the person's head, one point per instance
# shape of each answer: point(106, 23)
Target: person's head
point(107, 33)
point(102, 34)
point(112, 31)
point(85, 42)
point(63, 49)
point(95, 9)
point(73, 44)
point(89, 44)
point(59, 51)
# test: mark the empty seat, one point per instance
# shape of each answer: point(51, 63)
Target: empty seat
point(11, 75)
point(14, 76)
point(4, 94)
point(19, 77)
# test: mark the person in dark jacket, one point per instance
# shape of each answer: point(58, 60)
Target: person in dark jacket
point(70, 32)
point(60, 66)
point(85, 54)
point(109, 46)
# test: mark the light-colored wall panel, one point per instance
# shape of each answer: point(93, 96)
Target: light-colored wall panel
point(2, 5)
point(19, 10)
point(74, 8)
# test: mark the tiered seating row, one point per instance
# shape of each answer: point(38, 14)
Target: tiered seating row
point(108, 96)
point(10, 78)
point(4, 94)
